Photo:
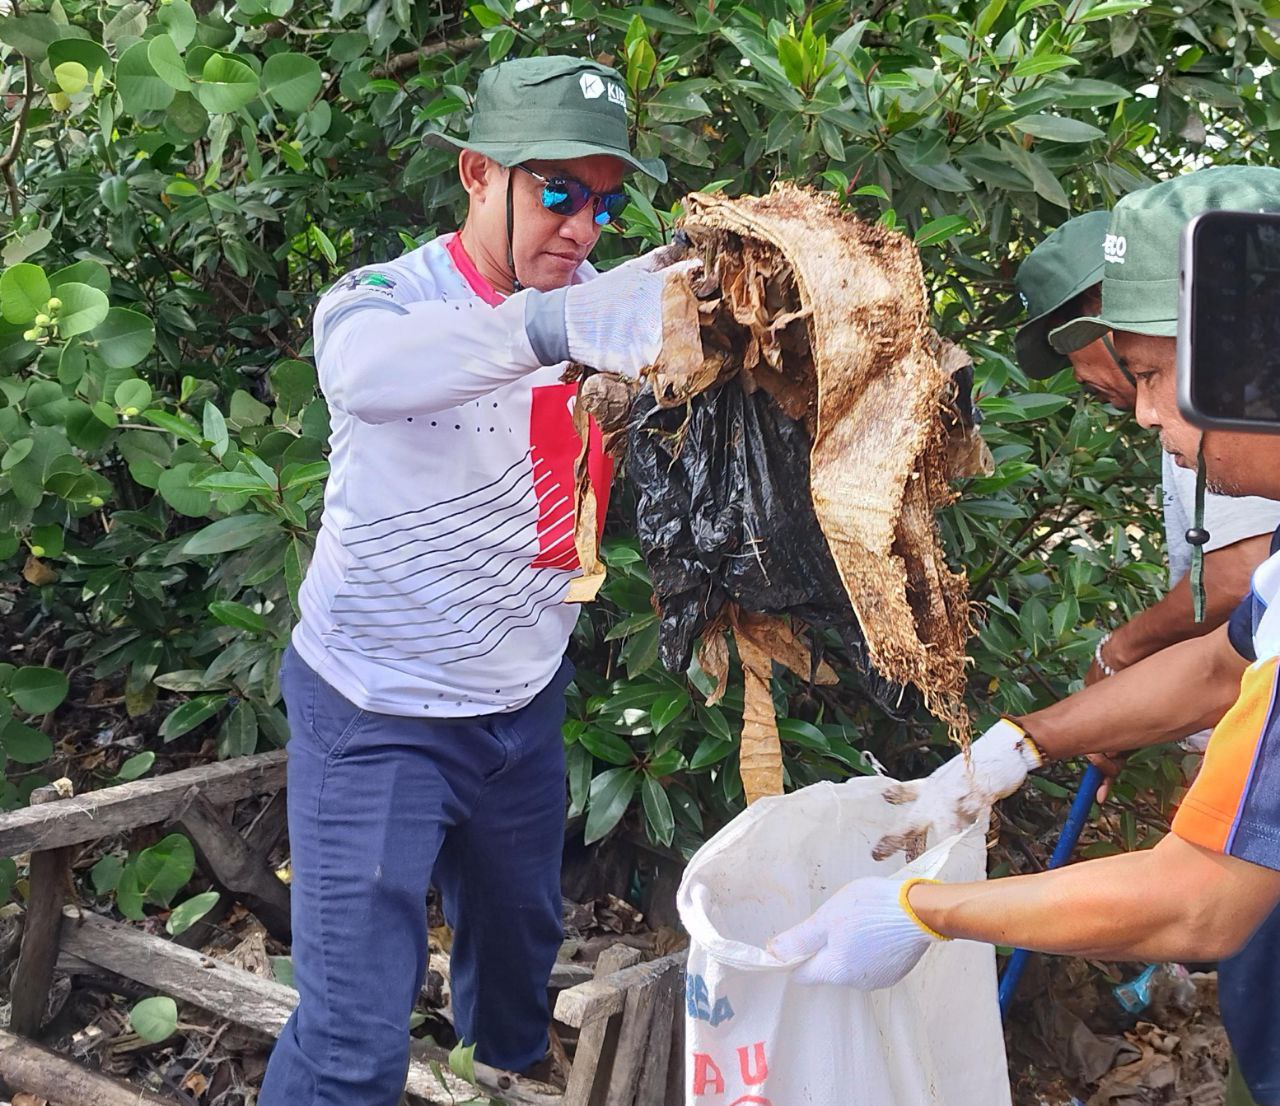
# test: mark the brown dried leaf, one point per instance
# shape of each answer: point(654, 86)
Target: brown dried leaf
point(713, 659)
point(774, 638)
point(37, 573)
point(760, 757)
point(586, 533)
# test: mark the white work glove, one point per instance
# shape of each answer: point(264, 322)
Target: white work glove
point(865, 936)
point(612, 323)
point(952, 797)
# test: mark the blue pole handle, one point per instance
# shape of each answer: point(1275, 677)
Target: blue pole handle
point(1076, 816)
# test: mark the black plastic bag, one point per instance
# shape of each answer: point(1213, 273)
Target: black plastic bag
point(724, 514)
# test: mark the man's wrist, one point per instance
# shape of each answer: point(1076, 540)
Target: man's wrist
point(921, 901)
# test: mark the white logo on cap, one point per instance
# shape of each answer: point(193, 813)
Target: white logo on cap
point(1023, 297)
point(1114, 248)
point(594, 86)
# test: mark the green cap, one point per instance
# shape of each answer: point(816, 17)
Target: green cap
point(551, 109)
point(1066, 263)
point(1141, 250)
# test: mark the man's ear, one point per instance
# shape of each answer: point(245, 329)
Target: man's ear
point(477, 173)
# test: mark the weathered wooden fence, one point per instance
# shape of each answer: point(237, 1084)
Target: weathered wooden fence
point(627, 1012)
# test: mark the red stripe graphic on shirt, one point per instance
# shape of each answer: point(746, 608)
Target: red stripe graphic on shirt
point(554, 448)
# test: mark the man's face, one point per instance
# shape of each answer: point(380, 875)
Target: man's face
point(547, 247)
point(1235, 463)
point(1096, 370)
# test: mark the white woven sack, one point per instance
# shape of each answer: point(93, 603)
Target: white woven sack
point(756, 1038)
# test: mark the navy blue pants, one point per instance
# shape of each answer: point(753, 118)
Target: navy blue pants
point(379, 808)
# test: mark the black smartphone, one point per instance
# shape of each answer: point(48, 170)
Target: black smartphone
point(1229, 321)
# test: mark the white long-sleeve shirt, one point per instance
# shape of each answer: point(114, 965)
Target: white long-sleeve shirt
point(446, 545)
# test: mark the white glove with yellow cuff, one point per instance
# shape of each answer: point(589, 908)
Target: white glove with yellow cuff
point(865, 936)
point(950, 799)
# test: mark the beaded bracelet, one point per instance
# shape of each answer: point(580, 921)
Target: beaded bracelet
point(1107, 670)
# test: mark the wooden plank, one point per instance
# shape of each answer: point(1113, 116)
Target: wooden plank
point(633, 1039)
point(49, 878)
point(606, 995)
point(237, 868)
point(651, 1089)
point(675, 1061)
point(99, 814)
point(593, 1060)
point(25, 1066)
point(241, 997)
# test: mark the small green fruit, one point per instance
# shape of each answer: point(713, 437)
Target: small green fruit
point(54, 304)
point(37, 550)
point(95, 501)
point(129, 412)
point(43, 319)
point(31, 335)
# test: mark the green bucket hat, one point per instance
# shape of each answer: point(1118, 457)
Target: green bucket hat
point(1061, 267)
point(550, 109)
point(1140, 253)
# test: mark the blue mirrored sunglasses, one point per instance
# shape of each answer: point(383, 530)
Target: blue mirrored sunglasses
point(566, 196)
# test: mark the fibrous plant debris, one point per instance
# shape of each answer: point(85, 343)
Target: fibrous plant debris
point(791, 452)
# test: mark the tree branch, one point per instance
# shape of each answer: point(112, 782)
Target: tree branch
point(20, 124)
point(398, 63)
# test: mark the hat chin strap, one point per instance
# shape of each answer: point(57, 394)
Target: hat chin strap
point(516, 286)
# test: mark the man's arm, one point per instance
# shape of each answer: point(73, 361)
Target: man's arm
point(1177, 901)
point(1184, 688)
point(1226, 581)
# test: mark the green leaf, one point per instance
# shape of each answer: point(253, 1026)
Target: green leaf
point(134, 394)
point(230, 613)
point(83, 308)
point(155, 1019)
point(945, 177)
point(231, 533)
point(667, 708)
point(163, 55)
point(178, 18)
point(294, 384)
point(226, 84)
point(500, 44)
point(462, 1061)
point(141, 88)
point(657, 811)
point(124, 337)
point(987, 17)
point(939, 230)
point(24, 293)
point(176, 489)
point(1058, 128)
point(25, 744)
point(190, 714)
point(38, 690)
point(105, 875)
point(711, 750)
point(186, 914)
point(71, 77)
point(81, 272)
point(323, 243)
point(31, 34)
point(239, 737)
point(114, 192)
point(135, 767)
point(215, 430)
point(292, 80)
point(1037, 64)
point(611, 794)
point(607, 746)
point(1108, 9)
